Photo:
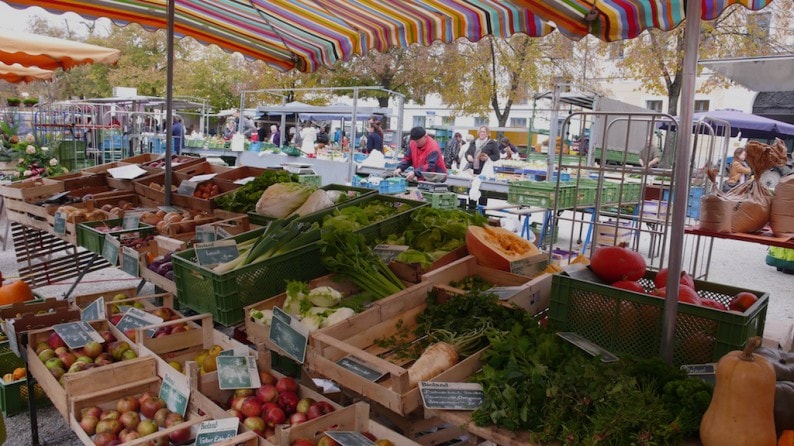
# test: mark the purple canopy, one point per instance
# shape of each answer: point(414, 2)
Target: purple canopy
point(750, 125)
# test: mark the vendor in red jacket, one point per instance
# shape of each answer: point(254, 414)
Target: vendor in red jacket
point(423, 154)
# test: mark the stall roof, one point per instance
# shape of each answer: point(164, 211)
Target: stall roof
point(336, 111)
point(583, 100)
point(772, 73)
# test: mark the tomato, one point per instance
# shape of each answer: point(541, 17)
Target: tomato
point(629, 285)
point(661, 279)
point(742, 301)
point(713, 304)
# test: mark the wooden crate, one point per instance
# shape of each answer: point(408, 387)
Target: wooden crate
point(178, 163)
point(37, 187)
point(413, 272)
point(88, 381)
point(120, 388)
point(183, 347)
point(199, 168)
point(258, 334)
point(83, 300)
point(240, 173)
point(421, 426)
point(355, 417)
point(160, 246)
point(80, 180)
point(248, 438)
point(533, 294)
point(143, 187)
point(356, 337)
point(499, 436)
point(111, 307)
point(21, 317)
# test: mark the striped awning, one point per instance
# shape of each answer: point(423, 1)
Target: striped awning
point(306, 34)
point(49, 53)
point(16, 73)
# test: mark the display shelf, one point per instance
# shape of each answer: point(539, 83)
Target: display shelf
point(763, 237)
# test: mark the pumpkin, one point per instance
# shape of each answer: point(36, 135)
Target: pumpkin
point(741, 412)
point(14, 292)
point(497, 247)
point(786, 439)
point(614, 263)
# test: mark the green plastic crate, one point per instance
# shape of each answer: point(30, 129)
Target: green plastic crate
point(91, 239)
point(630, 192)
point(441, 200)
point(544, 194)
point(14, 395)
point(225, 295)
point(311, 180)
point(354, 194)
point(627, 322)
point(390, 225)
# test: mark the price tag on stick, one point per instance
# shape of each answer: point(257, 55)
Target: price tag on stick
point(130, 261)
point(237, 372)
point(175, 391)
point(290, 337)
point(77, 334)
point(59, 225)
point(131, 220)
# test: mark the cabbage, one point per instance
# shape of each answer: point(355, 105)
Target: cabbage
point(324, 296)
point(339, 315)
point(280, 199)
point(317, 201)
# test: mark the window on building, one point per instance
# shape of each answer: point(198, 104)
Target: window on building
point(654, 105)
point(616, 50)
point(419, 121)
point(518, 122)
point(701, 106)
point(448, 121)
point(480, 121)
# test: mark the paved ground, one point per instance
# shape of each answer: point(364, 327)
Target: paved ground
point(739, 264)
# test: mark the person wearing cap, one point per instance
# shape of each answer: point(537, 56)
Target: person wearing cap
point(423, 154)
point(452, 150)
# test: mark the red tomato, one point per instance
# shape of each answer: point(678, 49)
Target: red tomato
point(742, 301)
point(629, 285)
point(713, 304)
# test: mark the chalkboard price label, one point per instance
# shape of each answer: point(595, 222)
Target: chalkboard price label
point(221, 233)
point(131, 220)
point(110, 249)
point(281, 314)
point(215, 431)
point(134, 318)
point(237, 372)
point(205, 233)
point(387, 253)
point(706, 372)
point(358, 367)
point(94, 311)
point(187, 187)
point(59, 225)
point(175, 391)
point(451, 396)
point(130, 261)
point(77, 334)
point(351, 438)
point(222, 251)
point(290, 337)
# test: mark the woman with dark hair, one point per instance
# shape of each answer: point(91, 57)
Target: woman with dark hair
point(374, 138)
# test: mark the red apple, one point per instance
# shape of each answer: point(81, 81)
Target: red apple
point(325, 406)
point(104, 438)
point(151, 406)
point(160, 415)
point(179, 436)
point(314, 412)
point(147, 427)
point(274, 416)
point(180, 328)
point(302, 442)
point(251, 407)
point(130, 419)
point(256, 424)
point(60, 350)
point(173, 419)
point(163, 313)
point(109, 425)
point(162, 331)
point(129, 435)
point(88, 423)
point(236, 413)
point(265, 377)
point(127, 404)
point(298, 418)
point(267, 393)
point(286, 384)
point(107, 336)
point(288, 401)
point(118, 348)
point(92, 349)
point(93, 410)
point(145, 396)
point(110, 414)
point(55, 341)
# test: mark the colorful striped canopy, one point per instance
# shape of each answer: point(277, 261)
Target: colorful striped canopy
point(49, 53)
point(306, 34)
point(16, 73)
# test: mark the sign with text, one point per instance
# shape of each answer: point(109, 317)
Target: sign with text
point(221, 233)
point(77, 334)
point(134, 318)
point(237, 372)
point(350, 438)
point(110, 249)
point(130, 261)
point(94, 311)
point(290, 337)
point(59, 225)
point(187, 187)
point(131, 220)
point(387, 253)
point(205, 233)
point(706, 372)
point(451, 396)
point(358, 367)
point(530, 266)
point(215, 431)
point(221, 251)
point(175, 391)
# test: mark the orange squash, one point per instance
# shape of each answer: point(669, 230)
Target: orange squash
point(14, 292)
point(497, 247)
point(742, 407)
point(786, 438)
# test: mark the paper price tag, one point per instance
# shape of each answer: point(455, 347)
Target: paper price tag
point(131, 220)
point(215, 431)
point(187, 187)
point(175, 391)
point(59, 225)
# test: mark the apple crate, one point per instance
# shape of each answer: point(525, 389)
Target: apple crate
point(83, 300)
point(224, 295)
point(147, 303)
point(178, 163)
point(120, 387)
point(355, 418)
point(240, 174)
point(185, 345)
point(532, 294)
point(356, 337)
point(14, 394)
point(423, 426)
point(247, 438)
point(259, 334)
point(627, 322)
point(93, 240)
point(80, 180)
point(86, 381)
point(21, 317)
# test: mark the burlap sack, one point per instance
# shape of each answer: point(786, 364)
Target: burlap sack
point(715, 213)
point(781, 215)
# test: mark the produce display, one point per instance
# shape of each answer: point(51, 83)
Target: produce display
point(315, 308)
point(245, 198)
point(175, 160)
point(61, 360)
point(498, 247)
point(163, 266)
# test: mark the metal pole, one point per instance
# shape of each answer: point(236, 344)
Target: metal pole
point(352, 165)
point(283, 129)
point(169, 100)
point(400, 106)
point(555, 109)
point(681, 176)
point(240, 113)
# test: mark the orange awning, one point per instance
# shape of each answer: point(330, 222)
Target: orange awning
point(49, 53)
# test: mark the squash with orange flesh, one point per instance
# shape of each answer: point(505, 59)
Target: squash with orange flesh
point(17, 291)
point(497, 247)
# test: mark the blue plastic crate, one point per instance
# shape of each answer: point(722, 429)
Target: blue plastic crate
point(255, 146)
point(693, 201)
point(388, 186)
point(359, 157)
